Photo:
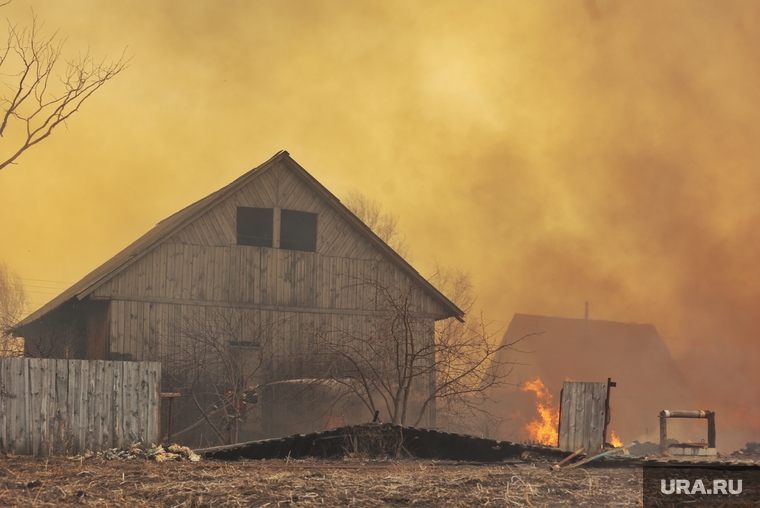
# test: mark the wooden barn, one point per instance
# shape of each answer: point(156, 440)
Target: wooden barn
point(231, 293)
point(633, 355)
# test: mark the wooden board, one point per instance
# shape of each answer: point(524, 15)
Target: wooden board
point(582, 416)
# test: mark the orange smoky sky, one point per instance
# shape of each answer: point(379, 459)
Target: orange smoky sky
point(562, 152)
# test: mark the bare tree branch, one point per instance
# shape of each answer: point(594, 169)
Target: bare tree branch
point(383, 224)
point(215, 357)
point(34, 99)
point(399, 359)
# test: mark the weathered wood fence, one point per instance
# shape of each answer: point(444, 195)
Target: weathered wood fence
point(56, 407)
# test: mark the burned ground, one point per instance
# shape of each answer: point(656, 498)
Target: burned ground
point(58, 481)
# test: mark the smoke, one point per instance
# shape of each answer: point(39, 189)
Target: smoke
point(565, 152)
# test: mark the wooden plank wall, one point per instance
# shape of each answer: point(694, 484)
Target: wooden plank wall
point(65, 407)
point(287, 336)
point(582, 416)
point(261, 277)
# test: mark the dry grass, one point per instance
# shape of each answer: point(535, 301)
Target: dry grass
point(26, 481)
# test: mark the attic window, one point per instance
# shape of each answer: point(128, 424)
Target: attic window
point(298, 231)
point(255, 226)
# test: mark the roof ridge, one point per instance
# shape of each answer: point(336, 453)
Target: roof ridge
point(541, 316)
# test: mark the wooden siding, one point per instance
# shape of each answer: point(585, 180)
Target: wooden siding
point(145, 331)
point(582, 416)
point(54, 407)
point(261, 276)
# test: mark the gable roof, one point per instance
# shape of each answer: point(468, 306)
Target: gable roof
point(594, 349)
point(178, 220)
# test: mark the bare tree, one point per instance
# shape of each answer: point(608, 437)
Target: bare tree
point(467, 412)
point(215, 358)
point(397, 364)
point(455, 283)
point(383, 224)
point(13, 303)
point(36, 97)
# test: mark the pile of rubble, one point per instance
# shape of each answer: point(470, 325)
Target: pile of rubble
point(140, 451)
point(647, 448)
point(750, 451)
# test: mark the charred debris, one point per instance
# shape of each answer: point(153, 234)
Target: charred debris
point(383, 440)
point(401, 442)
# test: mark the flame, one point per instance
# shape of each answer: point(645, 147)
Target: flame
point(615, 440)
point(544, 430)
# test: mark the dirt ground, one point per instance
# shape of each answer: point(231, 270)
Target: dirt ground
point(58, 481)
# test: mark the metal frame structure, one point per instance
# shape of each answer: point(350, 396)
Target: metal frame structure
point(666, 413)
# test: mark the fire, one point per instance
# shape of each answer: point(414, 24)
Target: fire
point(544, 430)
point(615, 440)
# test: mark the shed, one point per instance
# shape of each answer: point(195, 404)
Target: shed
point(259, 265)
